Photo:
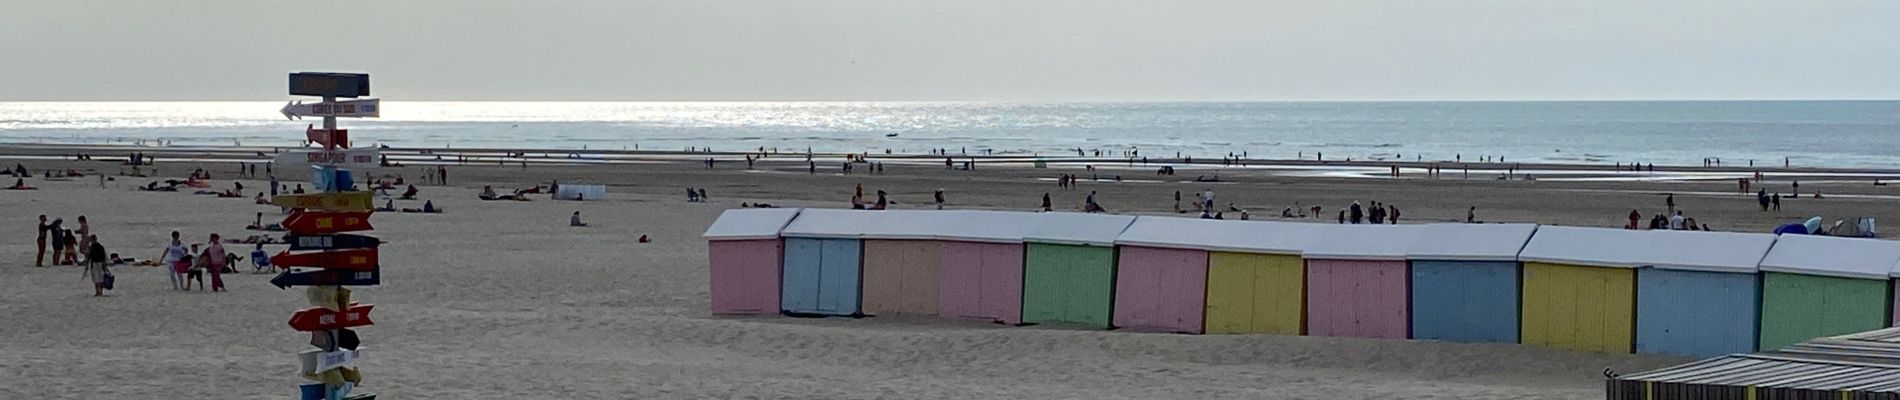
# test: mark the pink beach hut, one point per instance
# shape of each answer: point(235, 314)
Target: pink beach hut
point(981, 269)
point(744, 249)
point(1161, 273)
point(1357, 283)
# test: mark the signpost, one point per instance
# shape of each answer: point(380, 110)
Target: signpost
point(352, 259)
point(332, 242)
point(324, 222)
point(328, 277)
point(333, 201)
point(340, 259)
point(327, 138)
point(364, 108)
point(322, 319)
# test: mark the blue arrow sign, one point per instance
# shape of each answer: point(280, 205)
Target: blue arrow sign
point(332, 242)
point(337, 277)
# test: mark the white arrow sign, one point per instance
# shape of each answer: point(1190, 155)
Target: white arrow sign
point(359, 108)
point(317, 361)
point(346, 157)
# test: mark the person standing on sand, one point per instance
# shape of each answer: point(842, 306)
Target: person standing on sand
point(84, 233)
point(1355, 214)
point(96, 266)
point(1676, 221)
point(939, 198)
point(215, 260)
point(1046, 207)
point(174, 257)
point(1394, 218)
point(1634, 216)
point(40, 260)
point(1177, 202)
point(1471, 216)
point(1777, 201)
point(59, 240)
point(1797, 190)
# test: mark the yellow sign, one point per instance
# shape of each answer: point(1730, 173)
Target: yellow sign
point(340, 201)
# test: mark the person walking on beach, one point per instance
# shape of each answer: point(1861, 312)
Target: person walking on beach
point(1394, 218)
point(1177, 202)
point(1797, 190)
point(40, 260)
point(1762, 197)
point(1355, 214)
point(1670, 201)
point(939, 196)
point(215, 261)
point(1046, 206)
point(176, 260)
point(1777, 201)
point(1634, 216)
point(1471, 216)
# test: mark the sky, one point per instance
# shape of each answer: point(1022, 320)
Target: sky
point(956, 50)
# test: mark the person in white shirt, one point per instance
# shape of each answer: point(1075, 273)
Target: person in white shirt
point(1675, 221)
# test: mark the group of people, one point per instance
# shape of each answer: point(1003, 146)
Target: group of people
point(188, 264)
point(857, 200)
point(695, 195)
point(1381, 213)
point(75, 247)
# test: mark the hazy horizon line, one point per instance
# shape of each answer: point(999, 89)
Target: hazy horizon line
point(1112, 101)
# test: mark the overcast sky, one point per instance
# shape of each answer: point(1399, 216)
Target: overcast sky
point(1108, 50)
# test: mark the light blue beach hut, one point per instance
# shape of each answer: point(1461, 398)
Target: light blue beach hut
point(1465, 284)
point(1698, 293)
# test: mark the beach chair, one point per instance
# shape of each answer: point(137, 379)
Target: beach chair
point(260, 261)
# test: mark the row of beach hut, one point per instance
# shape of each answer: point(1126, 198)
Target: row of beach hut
point(1586, 289)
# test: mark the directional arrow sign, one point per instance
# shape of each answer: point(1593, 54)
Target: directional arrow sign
point(317, 319)
point(323, 222)
point(335, 277)
point(332, 201)
point(330, 139)
point(358, 108)
point(348, 157)
point(332, 242)
point(318, 361)
point(353, 259)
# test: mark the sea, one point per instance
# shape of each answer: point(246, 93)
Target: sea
point(1840, 134)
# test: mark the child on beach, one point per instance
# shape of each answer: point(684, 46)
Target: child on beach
point(575, 220)
point(96, 266)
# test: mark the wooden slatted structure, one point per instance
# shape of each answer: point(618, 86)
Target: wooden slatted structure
point(1861, 366)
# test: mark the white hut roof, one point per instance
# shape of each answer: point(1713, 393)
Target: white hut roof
point(1216, 235)
point(1599, 247)
point(1078, 228)
point(1833, 256)
point(829, 223)
point(1360, 241)
point(986, 226)
point(750, 223)
point(1470, 242)
point(1704, 251)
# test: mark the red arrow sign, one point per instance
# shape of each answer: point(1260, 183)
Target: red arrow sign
point(317, 319)
point(352, 259)
point(330, 139)
point(323, 222)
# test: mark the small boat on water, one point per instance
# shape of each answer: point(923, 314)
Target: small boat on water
point(890, 135)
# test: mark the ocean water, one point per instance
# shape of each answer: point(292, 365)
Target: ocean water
point(1861, 134)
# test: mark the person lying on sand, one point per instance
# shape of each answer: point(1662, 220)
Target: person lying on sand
point(409, 194)
point(20, 184)
point(428, 207)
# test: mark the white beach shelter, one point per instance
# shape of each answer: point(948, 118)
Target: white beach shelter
point(1596, 247)
point(1218, 235)
point(1360, 242)
point(984, 226)
point(1703, 251)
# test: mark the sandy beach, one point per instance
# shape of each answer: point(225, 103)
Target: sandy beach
point(504, 300)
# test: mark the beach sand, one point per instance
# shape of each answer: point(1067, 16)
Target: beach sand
point(504, 300)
